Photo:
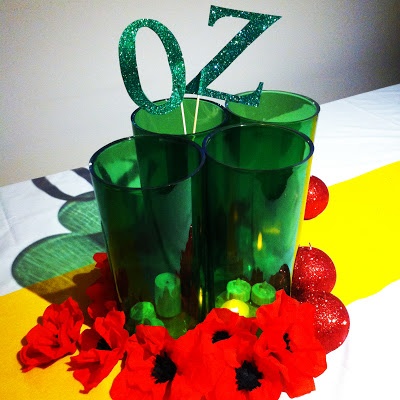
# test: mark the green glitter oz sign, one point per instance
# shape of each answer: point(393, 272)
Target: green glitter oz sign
point(258, 23)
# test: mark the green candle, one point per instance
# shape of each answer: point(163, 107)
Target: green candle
point(142, 310)
point(263, 293)
point(238, 289)
point(143, 313)
point(155, 322)
point(168, 295)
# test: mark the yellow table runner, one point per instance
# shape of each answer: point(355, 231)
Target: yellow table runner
point(359, 230)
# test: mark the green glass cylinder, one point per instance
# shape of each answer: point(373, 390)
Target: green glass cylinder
point(148, 191)
point(287, 109)
point(256, 177)
point(210, 115)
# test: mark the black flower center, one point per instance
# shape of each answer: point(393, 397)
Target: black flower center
point(102, 345)
point(287, 341)
point(220, 335)
point(247, 376)
point(164, 368)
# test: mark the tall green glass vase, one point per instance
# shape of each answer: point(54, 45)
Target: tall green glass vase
point(256, 177)
point(148, 190)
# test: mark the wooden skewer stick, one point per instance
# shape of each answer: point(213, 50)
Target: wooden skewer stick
point(196, 113)
point(183, 119)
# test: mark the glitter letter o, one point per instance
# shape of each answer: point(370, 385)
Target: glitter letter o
point(129, 69)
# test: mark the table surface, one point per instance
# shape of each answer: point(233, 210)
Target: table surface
point(357, 154)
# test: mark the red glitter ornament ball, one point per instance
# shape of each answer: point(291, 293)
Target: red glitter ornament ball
point(313, 270)
point(317, 198)
point(332, 321)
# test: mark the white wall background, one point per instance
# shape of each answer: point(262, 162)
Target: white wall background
point(62, 95)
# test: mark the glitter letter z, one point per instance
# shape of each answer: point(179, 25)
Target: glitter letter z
point(258, 23)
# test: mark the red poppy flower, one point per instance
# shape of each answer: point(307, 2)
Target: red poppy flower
point(214, 343)
point(289, 336)
point(54, 337)
point(102, 292)
point(244, 378)
point(154, 369)
point(101, 348)
point(223, 319)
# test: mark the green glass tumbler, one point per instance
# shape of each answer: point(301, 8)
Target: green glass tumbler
point(292, 110)
point(148, 191)
point(256, 177)
point(210, 115)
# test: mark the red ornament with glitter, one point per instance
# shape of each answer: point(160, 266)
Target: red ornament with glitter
point(313, 270)
point(317, 198)
point(332, 321)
